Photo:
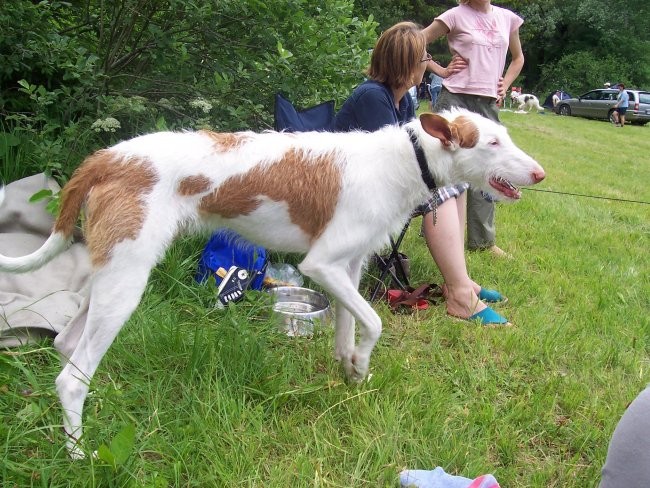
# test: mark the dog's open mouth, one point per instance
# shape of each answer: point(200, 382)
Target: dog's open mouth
point(504, 186)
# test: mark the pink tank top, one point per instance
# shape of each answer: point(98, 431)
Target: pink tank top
point(483, 40)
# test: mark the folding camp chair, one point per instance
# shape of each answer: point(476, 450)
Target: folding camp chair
point(392, 270)
point(391, 266)
point(320, 117)
point(290, 119)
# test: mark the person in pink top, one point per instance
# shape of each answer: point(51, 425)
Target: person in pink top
point(482, 34)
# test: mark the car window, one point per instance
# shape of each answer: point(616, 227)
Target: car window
point(608, 96)
point(592, 95)
point(644, 97)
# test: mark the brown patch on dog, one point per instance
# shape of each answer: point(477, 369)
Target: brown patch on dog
point(464, 132)
point(309, 185)
point(193, 185)
point(226, 141)
point(113, 191)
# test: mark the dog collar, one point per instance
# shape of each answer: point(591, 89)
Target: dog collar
point(427, 177)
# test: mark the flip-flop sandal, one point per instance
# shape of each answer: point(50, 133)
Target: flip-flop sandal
point(492, 296)
point(428, 291)
point(400, 299)
point(433, 293)
point(487, 318)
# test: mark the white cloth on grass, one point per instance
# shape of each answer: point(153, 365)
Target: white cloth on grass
point(39, 303)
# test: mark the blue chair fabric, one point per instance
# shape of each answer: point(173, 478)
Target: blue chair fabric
point(289, 119)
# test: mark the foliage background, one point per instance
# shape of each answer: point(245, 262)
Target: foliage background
point(65, 66)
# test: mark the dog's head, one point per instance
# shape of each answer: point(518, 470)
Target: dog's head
point(482, 154)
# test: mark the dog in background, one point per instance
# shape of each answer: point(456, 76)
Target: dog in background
point(525, 101)
point(334, 197)
point(515, 91)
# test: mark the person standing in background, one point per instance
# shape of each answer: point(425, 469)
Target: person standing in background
point(556, 98)
point(482, 34)
point(620, 108)
point(434, 88)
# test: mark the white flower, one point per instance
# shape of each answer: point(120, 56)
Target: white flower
point(109, 124)
point(201, 103)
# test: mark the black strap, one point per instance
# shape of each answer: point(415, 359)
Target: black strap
point(427, 177)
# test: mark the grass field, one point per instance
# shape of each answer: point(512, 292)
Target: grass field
point(191, 396)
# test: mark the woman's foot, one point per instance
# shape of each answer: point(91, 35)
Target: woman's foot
point(462, 301)
point(497, 251)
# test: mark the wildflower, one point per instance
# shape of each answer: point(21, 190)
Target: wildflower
point(109, 124)
point(202, 104)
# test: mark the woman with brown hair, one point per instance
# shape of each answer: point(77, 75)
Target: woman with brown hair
point(397, 63)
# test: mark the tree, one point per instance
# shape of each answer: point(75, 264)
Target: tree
point(79, 75)
point(579, 44)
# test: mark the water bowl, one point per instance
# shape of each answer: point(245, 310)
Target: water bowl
point(300, 310)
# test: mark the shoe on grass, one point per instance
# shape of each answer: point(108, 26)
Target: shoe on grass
point(487, 318)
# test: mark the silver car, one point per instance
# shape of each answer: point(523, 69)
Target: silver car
point(598, 104)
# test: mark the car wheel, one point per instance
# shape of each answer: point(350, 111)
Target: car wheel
point(565, 110)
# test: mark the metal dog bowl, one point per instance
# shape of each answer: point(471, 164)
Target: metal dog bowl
point(300, 309)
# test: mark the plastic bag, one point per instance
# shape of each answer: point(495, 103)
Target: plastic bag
point(283, 274)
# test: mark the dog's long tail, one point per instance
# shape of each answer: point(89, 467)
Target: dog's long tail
point(73, 197)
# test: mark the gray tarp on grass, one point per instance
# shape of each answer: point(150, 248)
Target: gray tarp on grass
point(39, 303)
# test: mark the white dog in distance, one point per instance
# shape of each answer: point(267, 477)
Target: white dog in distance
point(335, 197)
point(525, 102)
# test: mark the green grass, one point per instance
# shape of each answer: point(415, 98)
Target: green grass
point(220, 398)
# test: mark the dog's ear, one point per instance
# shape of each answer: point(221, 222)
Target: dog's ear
point(438, 127)
point(464, 132)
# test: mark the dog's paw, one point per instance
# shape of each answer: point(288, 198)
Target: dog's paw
point(343, 352)
point(356, 368)
point(75, 453)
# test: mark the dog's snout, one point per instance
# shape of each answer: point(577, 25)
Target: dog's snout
point(538, 175)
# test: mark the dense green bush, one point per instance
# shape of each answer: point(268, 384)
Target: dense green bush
point(580, 71)
point(77, 76)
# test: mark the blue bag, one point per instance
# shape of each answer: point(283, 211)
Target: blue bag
point(227, 248)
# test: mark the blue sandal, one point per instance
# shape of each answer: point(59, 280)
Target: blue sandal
point(487, 318)
point(491, 296)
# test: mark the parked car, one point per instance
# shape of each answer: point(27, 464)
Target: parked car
point(598, 104)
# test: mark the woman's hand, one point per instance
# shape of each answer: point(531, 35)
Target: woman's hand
point(502, 90)
point(457, 63)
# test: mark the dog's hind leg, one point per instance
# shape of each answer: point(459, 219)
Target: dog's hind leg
point(334, 275)
point(66, 341)
point(116, 292)
point(344, 336)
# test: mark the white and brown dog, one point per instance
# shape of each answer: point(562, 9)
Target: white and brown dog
point(336, 197)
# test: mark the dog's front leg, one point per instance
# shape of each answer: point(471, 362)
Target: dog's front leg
point(333, 276)
point(344, 337)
